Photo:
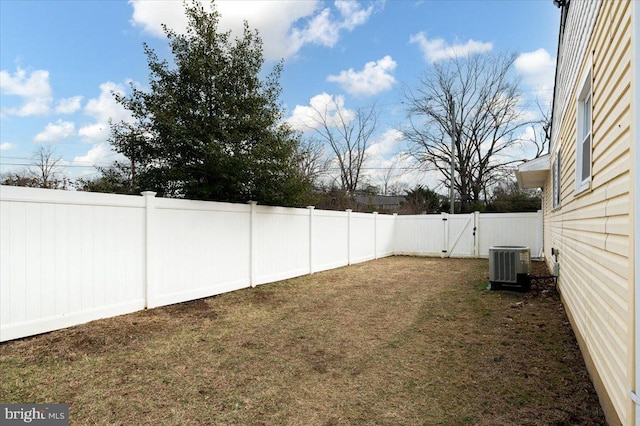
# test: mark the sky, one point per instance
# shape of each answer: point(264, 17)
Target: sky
point(61, 62)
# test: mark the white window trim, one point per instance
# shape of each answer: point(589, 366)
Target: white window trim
point(556, 181)
point(585, 93)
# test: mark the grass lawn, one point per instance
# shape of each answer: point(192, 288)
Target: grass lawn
point(397, 341)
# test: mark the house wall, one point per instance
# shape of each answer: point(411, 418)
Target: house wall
point(592, 229)
point(575, 38)
point(635, 150)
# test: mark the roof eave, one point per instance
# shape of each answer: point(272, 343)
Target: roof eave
point(534, 173)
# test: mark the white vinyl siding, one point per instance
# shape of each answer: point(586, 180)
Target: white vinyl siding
point(579, 25)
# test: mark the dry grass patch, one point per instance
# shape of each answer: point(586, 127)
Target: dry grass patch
point(396, 341)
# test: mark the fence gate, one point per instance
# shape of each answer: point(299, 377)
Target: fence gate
point(459, 235)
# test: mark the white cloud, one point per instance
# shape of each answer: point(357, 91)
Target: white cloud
point(528, 111)
point(436, 50)
point(321, 107)
point(535, 63)
point(385, 144)
point(150, 15)
point(352, 14)
point(538, 71)
point(319, 30)
point(68, 105)
point(105, 106)
point(274, 20)
point(374, 78)
point(285, 26)
point(94, 132)
point(101, 153)
point(527, 145)
point(103, 109)
point(6, 146)
point(324, 30)
point(55, 132)
point(34, 89)
point(391, 168)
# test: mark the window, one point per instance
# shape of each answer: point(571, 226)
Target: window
point(583, 140)
point(556, 181)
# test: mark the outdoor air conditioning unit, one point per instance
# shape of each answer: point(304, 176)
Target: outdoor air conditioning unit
point(509, 268)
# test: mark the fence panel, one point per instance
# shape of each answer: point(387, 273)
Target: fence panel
point(506, 229)
point(280, 243)
point(67, 258)
point(201, 249)
point(330, 239)
point(421, 235)
point(362, 237)
point(385, 228)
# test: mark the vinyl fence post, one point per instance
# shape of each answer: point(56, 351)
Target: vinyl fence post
point(375, 235)
point(476, 234)
point(311, 238)
point(150, 251)
point(540, 232)
point(252, 232)
point(445, 235)
point(395, 228)
point(348, 236)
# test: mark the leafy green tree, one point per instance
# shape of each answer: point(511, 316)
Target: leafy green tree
point(209, 127)
point(20, 178)
point(421, 200)
point(334, 198)
point(115, 179)
point(508, 197)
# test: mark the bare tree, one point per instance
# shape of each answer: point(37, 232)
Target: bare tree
point(312, 159)
point(473, 102)
point(42, 173)
point(348, 134)
point(388, 177)
point(45, 167)
point(542, 130)
point(390, 183)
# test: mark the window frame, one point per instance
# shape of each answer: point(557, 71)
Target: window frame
point(556, 181)
point(584, 133)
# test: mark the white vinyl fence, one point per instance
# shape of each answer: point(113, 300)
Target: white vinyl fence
point(467, 235)
point(71, 257)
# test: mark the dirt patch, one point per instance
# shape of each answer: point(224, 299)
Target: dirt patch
point(195, 309)
point(395, 341)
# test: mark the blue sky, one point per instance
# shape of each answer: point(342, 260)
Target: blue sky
point(60, 61)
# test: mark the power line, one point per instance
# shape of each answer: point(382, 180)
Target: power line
point(62, 166)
